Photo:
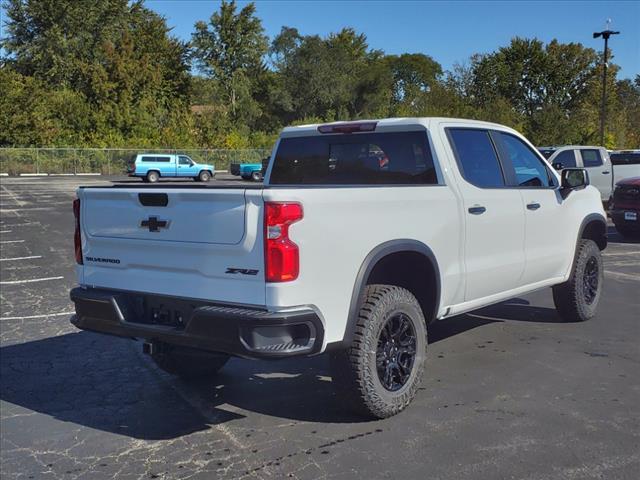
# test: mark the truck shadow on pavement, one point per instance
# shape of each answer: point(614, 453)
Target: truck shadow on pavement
point(102, 383)
point(90, 380)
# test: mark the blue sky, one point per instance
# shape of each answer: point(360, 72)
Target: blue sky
point(448, 31)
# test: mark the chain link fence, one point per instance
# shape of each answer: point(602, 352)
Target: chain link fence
point(108, 161)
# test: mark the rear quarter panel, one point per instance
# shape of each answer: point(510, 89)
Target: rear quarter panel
point(342, 225)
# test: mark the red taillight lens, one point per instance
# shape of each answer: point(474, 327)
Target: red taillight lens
point(282, 259)
point(77, 242)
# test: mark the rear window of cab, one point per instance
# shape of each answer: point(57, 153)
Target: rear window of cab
point(355, 159)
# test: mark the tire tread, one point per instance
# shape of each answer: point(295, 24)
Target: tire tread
point(350, 365)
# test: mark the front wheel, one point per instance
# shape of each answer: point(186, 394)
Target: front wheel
point(188, 363)
point(204, 176)
point(577, 299)
point(379, 374)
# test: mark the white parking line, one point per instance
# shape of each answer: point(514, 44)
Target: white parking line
point(12, 196)
point(5, 231)
point(38, 316)
point(32, 280)
point(29, 209)
point(622, 276)
point(21, 224)
point(32, 257)
point(11, 241)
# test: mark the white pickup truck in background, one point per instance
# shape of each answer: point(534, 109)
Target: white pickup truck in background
point(593, 159)
point(626, 164)
point(362, 234)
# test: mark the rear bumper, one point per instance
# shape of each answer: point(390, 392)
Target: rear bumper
point(235, 330)
point(618, 217)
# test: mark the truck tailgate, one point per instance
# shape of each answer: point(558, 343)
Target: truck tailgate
point(193, 243)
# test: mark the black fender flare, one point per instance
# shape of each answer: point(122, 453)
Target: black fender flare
point(372, 258)
point(593, 217)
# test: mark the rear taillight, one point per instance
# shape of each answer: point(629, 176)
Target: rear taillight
point(77, 242)
point(282, 257)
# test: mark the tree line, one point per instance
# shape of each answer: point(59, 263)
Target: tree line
point(109, 73)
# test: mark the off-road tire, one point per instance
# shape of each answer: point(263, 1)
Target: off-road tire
point(187, 363)
point(153, 176)
point(354, 370)
point(204, 176)
point(256, 176)
point(571, 298)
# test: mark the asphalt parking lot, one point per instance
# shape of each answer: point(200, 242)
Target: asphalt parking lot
point(510, 391)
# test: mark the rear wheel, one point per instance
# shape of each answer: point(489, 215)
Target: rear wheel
point(188, 363)
point(379, 374)
point(204, 176)
point(577, 299)
point(153, 177)
point(256, 176)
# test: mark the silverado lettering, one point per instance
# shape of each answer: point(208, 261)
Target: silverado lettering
point(102, 260)
point(243, 271)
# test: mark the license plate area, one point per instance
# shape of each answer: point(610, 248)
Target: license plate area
point(631, 216)
point(156, 310)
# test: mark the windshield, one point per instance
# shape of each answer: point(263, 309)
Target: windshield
point(546, 152)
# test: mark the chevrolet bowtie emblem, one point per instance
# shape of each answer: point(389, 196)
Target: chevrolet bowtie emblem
point(154, 224)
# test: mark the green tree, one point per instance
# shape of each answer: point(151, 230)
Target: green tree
point(413, 75)
point(628, 97)
point(228, 48)
point(126, 77)
point(330, 78)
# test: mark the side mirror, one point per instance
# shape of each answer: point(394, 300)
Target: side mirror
point(573, 179)
point(557, 166)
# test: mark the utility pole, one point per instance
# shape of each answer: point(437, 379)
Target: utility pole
point(603, 107)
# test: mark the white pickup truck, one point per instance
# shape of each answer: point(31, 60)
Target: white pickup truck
point(362, 235)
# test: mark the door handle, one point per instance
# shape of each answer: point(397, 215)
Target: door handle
point(606, 172)
point(477, 210)
point(533, 206)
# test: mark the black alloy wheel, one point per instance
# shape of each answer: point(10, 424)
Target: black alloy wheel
point(396, 352)
point(590, 280)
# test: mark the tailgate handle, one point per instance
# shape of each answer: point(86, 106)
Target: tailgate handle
point(153, 199)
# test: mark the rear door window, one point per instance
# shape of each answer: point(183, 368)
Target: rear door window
point(591, 157)
point(566, 159)
point(476, 157)
point(402, 158)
